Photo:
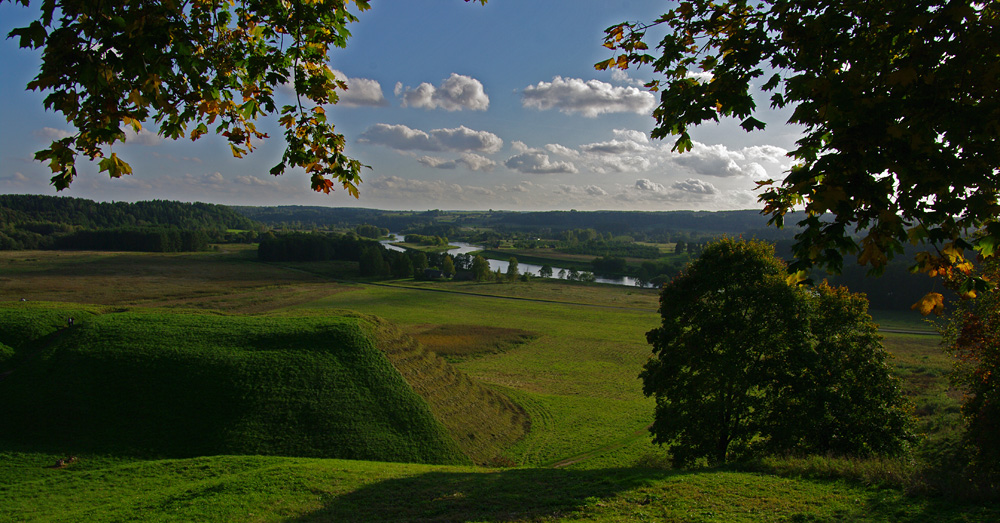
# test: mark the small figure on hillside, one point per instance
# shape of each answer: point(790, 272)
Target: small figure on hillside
point(64, 462)
point(70, 322)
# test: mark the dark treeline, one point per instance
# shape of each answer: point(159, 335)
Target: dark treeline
point(641, 225)
point(50, 222)
point(143, 239)
point(312, 247)
point(298, 217)
point(88, 214)
point(624, 249)
point(662, 226)
point(370, 231)
point(374, 260)
point(421, 239)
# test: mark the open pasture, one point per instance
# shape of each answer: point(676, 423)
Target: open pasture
point(581, 371)
point(575, 377)
point(230, 279)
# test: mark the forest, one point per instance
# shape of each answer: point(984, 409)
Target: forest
point(49, 222)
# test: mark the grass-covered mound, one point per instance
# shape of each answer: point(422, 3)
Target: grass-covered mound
point(483, 421)
point(172, 384)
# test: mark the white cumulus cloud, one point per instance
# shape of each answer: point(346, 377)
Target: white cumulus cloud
point(396, 188)
point(766, 153)
point(532, 162)
point(360, 92)
point(712, 160)
point(692, 185)
point(143, 137)
point(476, 162)
point(647, 185)
point(459, 139)
point(589, 98)
point(458, 92)
point(211, 180)
point(50, 133)
point(690, 190)
point(471, 161)
point(254, 181)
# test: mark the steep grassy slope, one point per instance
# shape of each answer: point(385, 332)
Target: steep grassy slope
point(196, 384)
point(481, 420)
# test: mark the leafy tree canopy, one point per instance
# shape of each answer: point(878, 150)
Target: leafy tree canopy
point(746, 363)
point(973, 336)
point(192, 67)
point(900, 101)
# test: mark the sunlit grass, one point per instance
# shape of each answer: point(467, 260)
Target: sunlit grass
point(248, 488)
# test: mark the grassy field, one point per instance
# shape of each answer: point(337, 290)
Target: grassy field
point(424, 248)
point(248, 488)
point(567, 354)
point(229, 279)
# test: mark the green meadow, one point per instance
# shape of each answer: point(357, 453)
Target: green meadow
point(217, 388)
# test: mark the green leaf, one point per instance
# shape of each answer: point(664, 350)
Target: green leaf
point(751, 124)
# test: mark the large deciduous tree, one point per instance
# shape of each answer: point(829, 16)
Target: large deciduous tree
point(900, 104)
point(745, 363)
point(481, 269)
point(973, 336)
point(192, 67)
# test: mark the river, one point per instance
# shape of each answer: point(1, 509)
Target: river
point(465, 248)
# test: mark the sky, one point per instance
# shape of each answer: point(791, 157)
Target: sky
point(454, 106)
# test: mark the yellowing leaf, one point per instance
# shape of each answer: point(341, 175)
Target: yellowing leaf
point(797, 278)
point(931, 302)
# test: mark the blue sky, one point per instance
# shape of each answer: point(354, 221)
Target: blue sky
point(454, 105)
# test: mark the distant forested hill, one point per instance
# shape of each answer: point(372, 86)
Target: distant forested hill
point(44, 222)
point(641, 224)
point(306, 217)
point(622, 222)
point(29, 208)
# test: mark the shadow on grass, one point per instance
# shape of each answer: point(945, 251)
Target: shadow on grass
point(506, 495)
point(890, 505)
point(530, 494)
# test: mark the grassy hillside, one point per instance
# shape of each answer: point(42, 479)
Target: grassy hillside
point(23, 325)
point(483, 421)
point(172, 384)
